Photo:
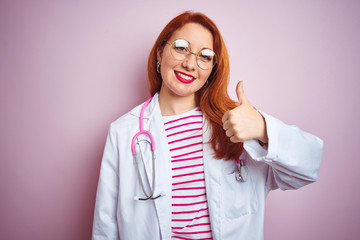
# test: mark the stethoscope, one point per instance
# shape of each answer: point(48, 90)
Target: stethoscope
point(152, 143)
point(240, 172)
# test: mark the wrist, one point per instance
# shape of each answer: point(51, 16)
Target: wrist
point(263, 138)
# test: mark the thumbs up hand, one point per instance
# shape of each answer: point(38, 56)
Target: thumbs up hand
point(244, 122)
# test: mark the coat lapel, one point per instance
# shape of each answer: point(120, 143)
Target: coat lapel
point(162, 168)
point(212, 169)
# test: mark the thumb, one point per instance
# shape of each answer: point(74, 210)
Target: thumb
point(240, 92)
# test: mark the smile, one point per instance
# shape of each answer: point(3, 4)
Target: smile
point(184, 78)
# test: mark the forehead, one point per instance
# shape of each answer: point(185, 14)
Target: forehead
point(199, 36)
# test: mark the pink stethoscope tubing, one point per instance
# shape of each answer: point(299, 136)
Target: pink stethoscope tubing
point(142, 131)
point(152, 142)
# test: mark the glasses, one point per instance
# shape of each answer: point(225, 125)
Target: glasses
point(181, 48)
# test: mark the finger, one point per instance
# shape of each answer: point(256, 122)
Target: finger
point(235, 139)
point(240, 92)
point(226, 125)
point(225, 117)
point(229, 133)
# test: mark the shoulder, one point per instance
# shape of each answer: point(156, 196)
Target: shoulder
point(127, 120)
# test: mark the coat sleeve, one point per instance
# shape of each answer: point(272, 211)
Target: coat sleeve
point(105, 221)
point(293, 156)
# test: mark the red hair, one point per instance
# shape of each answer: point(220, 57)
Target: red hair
point(212, 98)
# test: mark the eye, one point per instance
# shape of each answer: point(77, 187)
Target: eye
point(205, 58)
point(206, 55)
point(181, 46)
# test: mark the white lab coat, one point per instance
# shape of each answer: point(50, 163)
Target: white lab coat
point(291, 160)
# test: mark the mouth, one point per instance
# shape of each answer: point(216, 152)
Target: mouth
point(184, 78)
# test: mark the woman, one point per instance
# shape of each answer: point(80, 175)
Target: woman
point(216, 159)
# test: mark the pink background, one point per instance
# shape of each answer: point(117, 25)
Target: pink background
point(69, 68)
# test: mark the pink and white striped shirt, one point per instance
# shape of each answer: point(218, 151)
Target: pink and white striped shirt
point(190, 215)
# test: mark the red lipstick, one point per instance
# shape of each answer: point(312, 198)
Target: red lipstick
point(186, 81)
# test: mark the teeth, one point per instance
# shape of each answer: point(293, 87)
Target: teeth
point(184, 76)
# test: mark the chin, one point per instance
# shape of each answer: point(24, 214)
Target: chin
point(183, 94)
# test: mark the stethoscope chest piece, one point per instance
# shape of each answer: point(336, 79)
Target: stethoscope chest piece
point(241, 171)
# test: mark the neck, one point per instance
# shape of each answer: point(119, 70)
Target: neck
point(171, 104)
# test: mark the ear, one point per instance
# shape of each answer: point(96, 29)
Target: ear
point(159, 55)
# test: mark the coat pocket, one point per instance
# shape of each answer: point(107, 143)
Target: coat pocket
point(238, 198)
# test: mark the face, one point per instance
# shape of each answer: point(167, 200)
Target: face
point(184, 77)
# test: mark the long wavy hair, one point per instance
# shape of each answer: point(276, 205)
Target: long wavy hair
point(212, 98)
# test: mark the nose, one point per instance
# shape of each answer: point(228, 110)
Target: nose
point(190, 61)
